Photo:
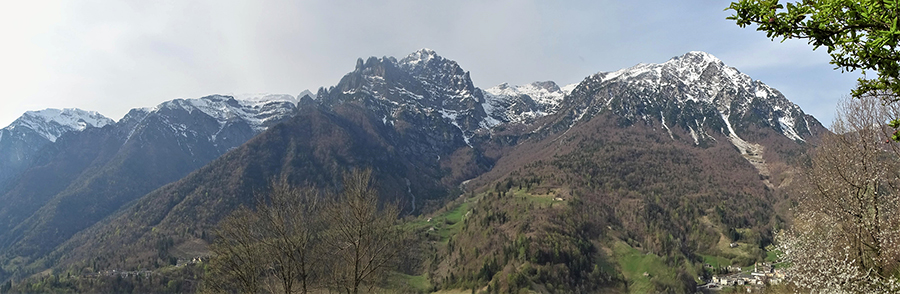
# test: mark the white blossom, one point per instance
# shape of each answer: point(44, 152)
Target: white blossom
point(847, 223)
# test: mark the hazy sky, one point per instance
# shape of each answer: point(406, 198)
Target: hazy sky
point(111, 56)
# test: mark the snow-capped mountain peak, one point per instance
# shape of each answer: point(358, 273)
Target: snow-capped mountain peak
point(697, 58)
point(631, 72)
point(699, 76)
point(265, 97)
point(257, 110)
point(22, 140)
point(51, 123)
point(688, 67)
point(518, 104)
point(420, 58)
point(693, 81)
point(428, 65)
point(421, 86)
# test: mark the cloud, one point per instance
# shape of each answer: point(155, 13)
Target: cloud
point(113, 56)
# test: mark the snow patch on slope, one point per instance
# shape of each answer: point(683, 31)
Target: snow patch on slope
point(663, 120)
point(694, 135)
point(787, 126)
point(632, 72)
point(752, 152)
point(451, 116)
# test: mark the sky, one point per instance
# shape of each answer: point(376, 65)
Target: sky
point(112, 56)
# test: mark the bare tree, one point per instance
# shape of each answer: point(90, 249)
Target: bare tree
point(846, 233)
point(363, 239)
point(294, 239)
point(272, 247)
point(235, 264)
point(290, 227)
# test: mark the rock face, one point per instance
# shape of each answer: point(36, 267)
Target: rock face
point(423, 91)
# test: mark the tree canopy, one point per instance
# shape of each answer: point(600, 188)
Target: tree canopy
point(858, 34)
point(845, 236)
point(297, 239)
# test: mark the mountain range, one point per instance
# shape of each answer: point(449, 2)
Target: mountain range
point(94, 166)
point(664, 158)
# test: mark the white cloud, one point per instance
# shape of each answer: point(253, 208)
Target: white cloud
point(112, 56)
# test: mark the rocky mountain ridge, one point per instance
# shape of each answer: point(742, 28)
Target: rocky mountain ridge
point(696, 84)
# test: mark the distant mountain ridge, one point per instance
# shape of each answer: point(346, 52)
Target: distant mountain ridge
point(523, 104)
point(24, 137)
point(84, 176)
point(51, 123)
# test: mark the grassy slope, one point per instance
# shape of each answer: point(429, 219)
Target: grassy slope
point(517, 229)
point(635, 264)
